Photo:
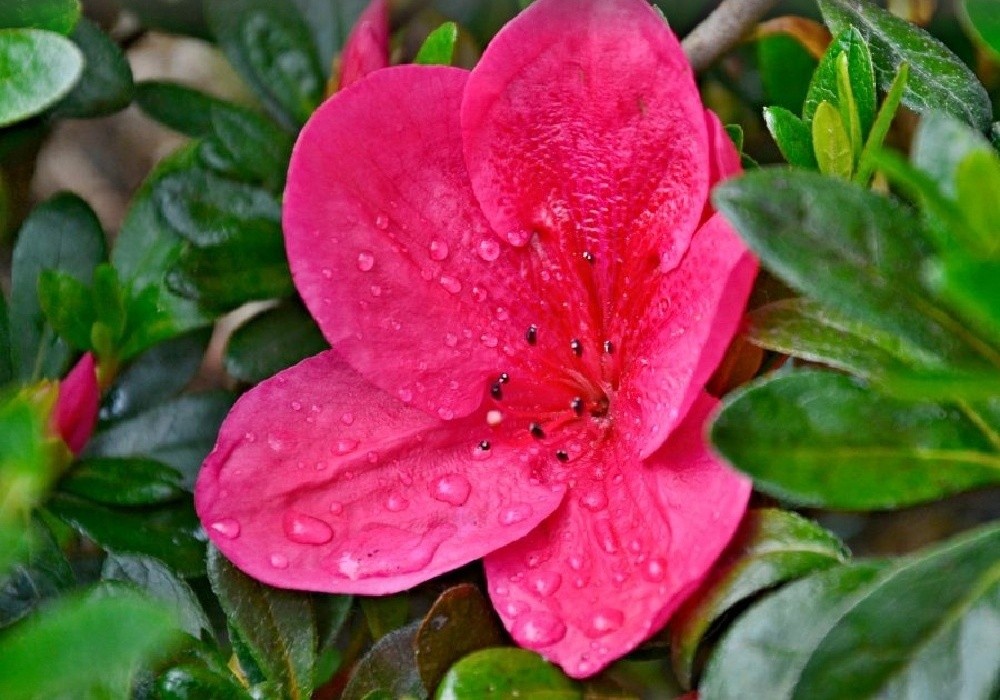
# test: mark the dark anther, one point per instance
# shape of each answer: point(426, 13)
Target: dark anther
point(601, 408)
point(562, 456)
point(532, 335)
point(484, 445)
point(576, 346)
point(577, 405)
point(588, 256)
point(609, 347)
point(536, 431)
point(496, 391)
point(504, 377)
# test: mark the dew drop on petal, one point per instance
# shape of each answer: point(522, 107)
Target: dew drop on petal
point(445, 413)
point(537, 629)
point(453, 489)
point(395, 503)
point(518, 237)
point(451, 340)
point(594, 500)
point(545, 583)
point(346, 445)
point(405, 395)
point(306, 529)
point(604, 621)
point(513, 514)
point(606, 536)
point(347, 418)
point(438, 250)
point(381, 222)
point(450, 284)
point(227, 527)
point(366, 261)
point(279, 561)
point(654, 570)
point(336, 508)
point(489, 250)
point(327, 273)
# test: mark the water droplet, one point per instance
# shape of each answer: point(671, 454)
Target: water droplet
point(538, 629)
point(250, 437)
point(296, 405)
point(306, 529)
point(376, 290)
point(654, 570)
point(515, 513)
point(227, 527)
point(327, 273)
point(518, 237)
point(494, 418)
point(381, 222)
point(451, 340)
point(453, 489)
point(336, 508)
point(450, 284)
point(606, 536)
point(279, 561)
point(438, 250)
point(490, 341)
point(405, 395)
point(366, 261)
point(445, 413)
point(502, 314)
point(545, 583)
point(347, 418)
point(346, 445)
point(373, 457)
point(575, 562)
point(604, 621)
point(395, 503)
point(594, 500)
point(489, 250)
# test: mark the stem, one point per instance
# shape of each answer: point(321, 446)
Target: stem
point(722, 29)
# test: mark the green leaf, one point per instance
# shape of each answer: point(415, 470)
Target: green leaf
point(848, 107)
point(389, 669)
point(106, 84)
point(853, 250)
point(439, 46)
point(880, 129)
point(506, 673)
point(771, 547)
point(278, 626)
point(330, 22)
point(824, 439)
point(938, 79)
point(185, 17)
point(270, 45)
point(977, 186)
point(331, 614)
point(831, 142)
point(982, 18)
point(826, 82)
point(194, 681)
point(786, 69)
point(385, 613)
point(68, 306)
point(925, 623)
point(61, 234)
point(6, 346)
point(972, 287)
point(459, 622)
point(30, 459)
point(42, 574)
point(54, 15)
point(134, 481)
point(178, 433)
point(37, 68)
point(89, 643)
point(940, 144)
point(272, 341)
point(793, 136)
point(159, 582)
point(170, 534)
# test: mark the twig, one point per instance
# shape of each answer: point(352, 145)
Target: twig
point(722, 29)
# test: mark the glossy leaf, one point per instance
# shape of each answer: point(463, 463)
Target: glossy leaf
point(37, 68)
point(123, 481)
point(850, 47)
point(272, 341)
point(831, 142)
point(61, 234)
point(44, 573)
point(270, 46)
point(278, 627)
point(823, 439)
point(439, 46)
point(132, 630)
point(504, 673)
point(194, 681)
point(793, 136)
point(938, 79)
point(983, 18)
point(771, 547)
point(389, 669)
point(106, 84)
point(54, 15)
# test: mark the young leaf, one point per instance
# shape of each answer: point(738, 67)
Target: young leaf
point(54, 15)
point(831, 142)
point(880, 129)
point(772, 546)
point(823, 439)
point(106, 84)
point(277, 626)
point(37, 68)
point(506, 672)
point(439, 46)
point(824, 86)
point(272, 341)
point(938, 79)
point(793, 136)
point(848, 107)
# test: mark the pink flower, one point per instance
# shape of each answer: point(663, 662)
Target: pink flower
point(75, 413)
point(367, 47)
point(525, 295)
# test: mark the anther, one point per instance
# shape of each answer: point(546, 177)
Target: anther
point(504, 378)
point(588, 256)
point(532, 334)
point(484, 445)
point(609, 347)
point(576, 346)
point(562, 456)
point(577, 405)
point(536, 431)
point(496, 391)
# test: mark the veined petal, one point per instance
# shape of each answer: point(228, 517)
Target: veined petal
point(319, 481)
point(367, 47)
point(611, 565)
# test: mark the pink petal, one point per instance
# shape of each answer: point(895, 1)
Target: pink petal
point(319, 481)
point(693, 315)
point(724, 159)
point(583, 129)
point(612, 564)
point(391, 253)
point(367, 47)
point(75, 412)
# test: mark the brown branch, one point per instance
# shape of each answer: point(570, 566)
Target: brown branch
point(722, 29)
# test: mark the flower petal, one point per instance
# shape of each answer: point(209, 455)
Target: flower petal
point(604, 572)
point(584, 132)
point(367, 47)
point(75, 412)
point(319, 481)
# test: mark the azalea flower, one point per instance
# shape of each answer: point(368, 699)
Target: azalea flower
point(75, 412)
point(367, 47)
point(525, 291)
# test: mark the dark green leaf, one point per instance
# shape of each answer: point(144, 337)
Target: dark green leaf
point(82, 644)
point(159, 582)
point(170, 534)
point(385, 613)
point(460, 622)
point(106, 84)
point(179, 107)
point(824, 85)
point(983, 18)
point(331, 614)
point(818, 438)
point(62, 234)
point(330, 22)
point(389, 668)
point(831, 142)
point(178, 433)
point(504, 673)
point(278, 626)
point(786, 69)
point(54, 15)
point(155, 376)
point(37, 68)
point(772, 546)
point(68, 306)
point(439, 46)
point(270, 45)
point(134, 481)
point(851, 249)
point(43, 573)
point(938, 79)
point(793, 136)
point(174, 16)
point(272, 341)
point(194, 681)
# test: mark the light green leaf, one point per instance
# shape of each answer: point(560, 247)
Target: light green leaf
point(439, 46)
point(831, 142)
point(37, 68)
point(54, 15)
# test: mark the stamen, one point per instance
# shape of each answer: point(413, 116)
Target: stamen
point(609, 347)
point(484, 445)
point(576, 346)
point(496, 391)
point(536, 431)
point(504, 378)
point(588, 256)
point(562, 456)
point(532, 334)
